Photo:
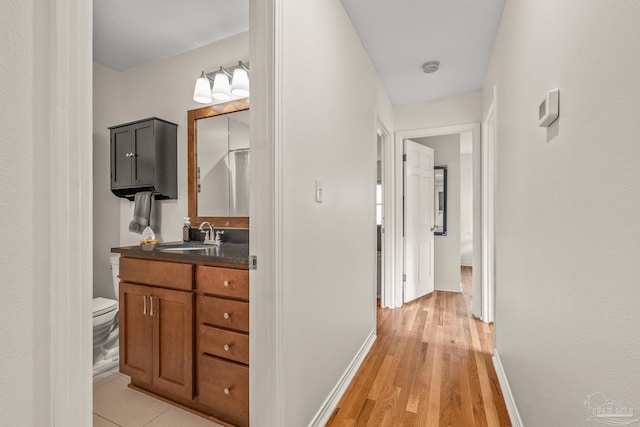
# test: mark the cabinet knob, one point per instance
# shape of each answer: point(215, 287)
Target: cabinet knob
point(226, 347)
point(226, 315)
point(227, 391)
point(226, 283)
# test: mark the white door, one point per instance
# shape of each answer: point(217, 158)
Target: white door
point(418, 220)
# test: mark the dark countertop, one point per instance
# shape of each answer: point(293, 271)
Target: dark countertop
point(230, 255)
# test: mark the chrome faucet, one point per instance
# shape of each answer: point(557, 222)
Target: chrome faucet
point(208, 237)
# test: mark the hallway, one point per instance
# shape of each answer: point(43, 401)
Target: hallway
point(430, 366)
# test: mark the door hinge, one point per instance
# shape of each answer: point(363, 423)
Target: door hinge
point(404, 157)
point(404, 277)
point(253, 262)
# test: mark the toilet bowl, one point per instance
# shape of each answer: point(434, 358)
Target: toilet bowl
point(105, 326)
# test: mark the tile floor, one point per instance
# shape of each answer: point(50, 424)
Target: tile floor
point(115, 404)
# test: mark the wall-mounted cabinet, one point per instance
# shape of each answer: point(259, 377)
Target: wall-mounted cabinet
point(144, 158)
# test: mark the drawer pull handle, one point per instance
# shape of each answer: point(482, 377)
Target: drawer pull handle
point(227, 391)
point(226, 347)
point(144, 304)
point(226, 315)
point(226, 283)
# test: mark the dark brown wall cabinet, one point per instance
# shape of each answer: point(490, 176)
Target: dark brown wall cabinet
point(144, 158)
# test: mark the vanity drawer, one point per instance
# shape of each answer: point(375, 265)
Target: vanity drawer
point(224, 387)
point(223, 312)
point(227, 344)
point(158, 273)
point(226, 282)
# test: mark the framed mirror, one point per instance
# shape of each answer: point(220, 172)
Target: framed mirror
point(440, 194)
point(219, 158)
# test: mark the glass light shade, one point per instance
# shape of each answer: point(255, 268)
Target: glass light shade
point(202, 92)
point(221, 87)
point(240, 84)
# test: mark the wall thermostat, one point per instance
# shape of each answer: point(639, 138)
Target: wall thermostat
point(549, 108)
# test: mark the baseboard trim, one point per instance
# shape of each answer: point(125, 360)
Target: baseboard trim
point(514, 415)
point(331, 403)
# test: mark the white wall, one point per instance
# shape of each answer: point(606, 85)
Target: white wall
point(453, 110)
point(567, 229)
point(447, 247)
point(466, 199)
point(17, 192)
point(106, 206)
point(162, 89)
point(45, 190)
point(328, 257)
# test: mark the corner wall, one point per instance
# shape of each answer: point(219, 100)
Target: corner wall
point(568, 210)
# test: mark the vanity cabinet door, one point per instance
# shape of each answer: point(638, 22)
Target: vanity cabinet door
point(173, 341)
point(136, 332)
point(156, 337)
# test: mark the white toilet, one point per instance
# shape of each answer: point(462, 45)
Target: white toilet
point(105, 326)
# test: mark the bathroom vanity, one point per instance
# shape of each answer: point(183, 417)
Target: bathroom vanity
point(184, 326)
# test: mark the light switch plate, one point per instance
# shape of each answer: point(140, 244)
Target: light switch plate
point(318, 191)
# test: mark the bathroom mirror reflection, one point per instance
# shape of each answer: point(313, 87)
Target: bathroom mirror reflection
point(440, 194)
point(219, 158)
point(223, 165)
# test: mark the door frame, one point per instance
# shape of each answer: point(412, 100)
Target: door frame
point(488, 211)
point(395, 285)
point(387, 207)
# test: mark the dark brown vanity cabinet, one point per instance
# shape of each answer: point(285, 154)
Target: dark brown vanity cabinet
point(144, 158)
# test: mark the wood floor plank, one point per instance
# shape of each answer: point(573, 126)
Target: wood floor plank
point(430, 366)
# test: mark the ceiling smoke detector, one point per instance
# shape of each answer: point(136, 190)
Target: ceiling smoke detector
point(431, 66)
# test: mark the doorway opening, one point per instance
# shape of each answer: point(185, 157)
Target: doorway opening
point(468, 144)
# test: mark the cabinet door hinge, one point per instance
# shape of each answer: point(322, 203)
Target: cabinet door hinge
point(404, 277)
point(404, 157)
point(253, 262)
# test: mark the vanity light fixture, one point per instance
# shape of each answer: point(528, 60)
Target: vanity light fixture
point(223, 90)
point(202, 92)
point(240, 86)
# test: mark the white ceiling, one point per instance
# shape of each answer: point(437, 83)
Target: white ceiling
point(129, 33)
point(399, 36)
point(402, 35)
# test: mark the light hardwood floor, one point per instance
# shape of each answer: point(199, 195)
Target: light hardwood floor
point(430, 366)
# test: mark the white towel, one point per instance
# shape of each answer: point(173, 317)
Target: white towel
point(143, 212)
